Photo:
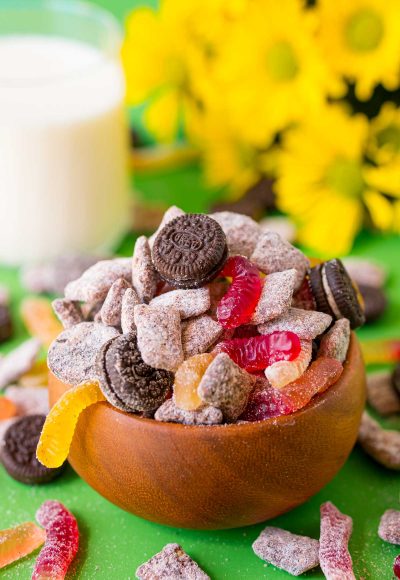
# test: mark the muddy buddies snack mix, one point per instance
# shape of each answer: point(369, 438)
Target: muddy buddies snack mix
point(205, 309)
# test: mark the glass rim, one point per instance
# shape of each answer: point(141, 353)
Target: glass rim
point(73, 8)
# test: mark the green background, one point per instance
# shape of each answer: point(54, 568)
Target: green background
point(114, 543)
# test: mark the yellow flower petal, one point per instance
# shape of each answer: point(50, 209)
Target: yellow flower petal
point(380, 209)
point(333, 225)
point(385, 178)
point(161, 116)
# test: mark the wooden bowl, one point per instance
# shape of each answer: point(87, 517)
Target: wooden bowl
point(220, 476)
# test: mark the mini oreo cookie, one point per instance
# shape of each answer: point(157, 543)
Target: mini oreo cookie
point(335, 293)
point(127, 382)
point(190, 250)
point(340, 288)
point(315, 278)
point(375, 302)
point(18, 454)
point(396, 378)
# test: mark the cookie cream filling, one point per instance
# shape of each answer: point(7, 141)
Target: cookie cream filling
point(329, 295)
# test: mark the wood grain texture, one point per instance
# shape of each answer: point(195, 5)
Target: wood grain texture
point(221, 476)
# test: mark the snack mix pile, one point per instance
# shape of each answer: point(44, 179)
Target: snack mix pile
point(214, 320)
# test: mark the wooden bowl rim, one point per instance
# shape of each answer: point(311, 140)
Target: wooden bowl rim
point(266, 424)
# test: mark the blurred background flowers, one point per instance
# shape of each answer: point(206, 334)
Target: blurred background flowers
point(301, 96)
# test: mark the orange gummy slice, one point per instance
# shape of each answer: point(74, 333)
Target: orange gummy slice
point(15, 543)
point(319, 376)
point(8, 408)
point(187, 379)
point(40, 320)
point(59, 427)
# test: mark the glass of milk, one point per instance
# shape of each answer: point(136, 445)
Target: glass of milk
point(63, 132)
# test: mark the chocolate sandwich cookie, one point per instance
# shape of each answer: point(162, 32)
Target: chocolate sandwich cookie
point(396, 378)
point(335, 292)
point(190, 250)
point(6, 326)
point(375, 302)
point(18, 454)
point(126, 381)
point(317, 288)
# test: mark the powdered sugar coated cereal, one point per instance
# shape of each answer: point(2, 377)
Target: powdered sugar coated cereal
point(171, 563)
point(192, 302)
point(18, 361)
point(276, 296)
point(205, 415)
point(273, 254)
point(129, 300)
point(307, 324)
point(199, 334)
point(159, 336)
point(290, 552)
point(389, 527)
point(335, 343)
point(226, 386)
point(381, 444)
point(111, 310)
point(241, 231)
point(68, 312)
point(95, 282)
point(381, 395)
point(144, 275)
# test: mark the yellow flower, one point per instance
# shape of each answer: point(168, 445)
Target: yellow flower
point(325, 184)
point(269, 71)
point(361, 41)
point(167, 55)
point(384, 141)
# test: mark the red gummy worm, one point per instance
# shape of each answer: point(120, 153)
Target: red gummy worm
point(238, 304)
point(62, 541)
point(258, 352)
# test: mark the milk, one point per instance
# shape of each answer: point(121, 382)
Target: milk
point(63, 148)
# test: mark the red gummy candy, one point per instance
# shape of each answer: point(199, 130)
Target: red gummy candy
point(320, 375)
point(396, 567)
point(62, 541)
point(334, 555)
point(264, 403)
point(258, 352)
point(238, 304)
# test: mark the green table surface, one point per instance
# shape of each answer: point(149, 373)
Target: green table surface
point(113, 543)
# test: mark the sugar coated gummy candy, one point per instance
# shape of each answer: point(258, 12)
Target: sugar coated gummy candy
point(8, 408)
point(265, 402)
point(187, 379)
point(38, 317)
point(320, 375)
point(334, 555)
point(282, 373)
point(58, 430)
point(258, 352)
point(238, 304)
point(62, 541)
point(15, 543)
point(396, 567)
